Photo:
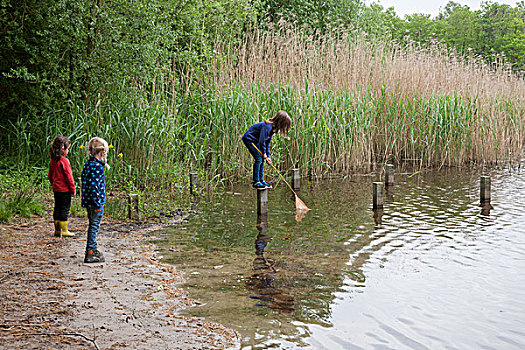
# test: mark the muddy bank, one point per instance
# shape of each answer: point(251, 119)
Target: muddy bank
point(50, 299)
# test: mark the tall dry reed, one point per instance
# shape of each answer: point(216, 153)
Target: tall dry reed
point(356, 101)
point(353, 102)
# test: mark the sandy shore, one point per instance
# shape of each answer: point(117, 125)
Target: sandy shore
point(50, 299)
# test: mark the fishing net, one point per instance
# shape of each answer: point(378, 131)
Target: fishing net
point(299, 204)
point(300, 208)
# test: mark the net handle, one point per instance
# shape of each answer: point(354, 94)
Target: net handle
point(282, 177)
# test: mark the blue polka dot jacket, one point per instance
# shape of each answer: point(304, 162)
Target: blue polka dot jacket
point(93, 184)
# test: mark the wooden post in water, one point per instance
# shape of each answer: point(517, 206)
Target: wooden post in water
point(296, 179)
point(378, 195)
point(389, 175)
point(133, 206)
point(193, 183)
point(484, 189)
point(262, 203)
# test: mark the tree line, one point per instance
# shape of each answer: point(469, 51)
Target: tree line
point(55, 54)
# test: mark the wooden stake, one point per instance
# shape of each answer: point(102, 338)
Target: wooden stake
point(378, 195)
point(389, 175)
point(296, 179)
point(193, 183)
point(262, 202)
point(484, 189)
point(133, 206)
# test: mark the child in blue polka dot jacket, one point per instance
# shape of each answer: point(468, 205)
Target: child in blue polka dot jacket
point(94, 195)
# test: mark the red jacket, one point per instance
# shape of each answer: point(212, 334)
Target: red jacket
point(61, 176)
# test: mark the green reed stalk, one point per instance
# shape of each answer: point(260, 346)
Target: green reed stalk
point(352, 103)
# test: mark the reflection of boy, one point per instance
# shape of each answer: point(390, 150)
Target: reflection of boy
point(262, 280)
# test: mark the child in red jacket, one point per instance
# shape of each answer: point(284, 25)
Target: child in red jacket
point(61, 177)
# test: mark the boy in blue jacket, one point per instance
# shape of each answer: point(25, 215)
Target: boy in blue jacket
point(94, 195)
point(260, 135)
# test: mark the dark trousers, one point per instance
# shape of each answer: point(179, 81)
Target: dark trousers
point(62, 205)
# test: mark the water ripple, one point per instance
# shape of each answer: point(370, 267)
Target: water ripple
point(432, 270)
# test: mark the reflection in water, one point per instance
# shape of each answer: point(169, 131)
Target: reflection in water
point(378, 217)
point(300, 214)
point(389, 193)
point(486, 208)
point(336, 280)
point(263, 278)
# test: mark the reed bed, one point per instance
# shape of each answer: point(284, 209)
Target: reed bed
point(353, 102)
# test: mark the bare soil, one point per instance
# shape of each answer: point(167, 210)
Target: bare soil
point(50, 299)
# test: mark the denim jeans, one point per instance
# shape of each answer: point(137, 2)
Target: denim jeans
point(258, 164)
point(94, 217)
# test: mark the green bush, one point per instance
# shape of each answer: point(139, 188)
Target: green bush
point(76, 210)
point(21, 189)
point(6, 214)
point(23, 203)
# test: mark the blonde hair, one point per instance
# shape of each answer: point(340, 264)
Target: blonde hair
point(97, 145)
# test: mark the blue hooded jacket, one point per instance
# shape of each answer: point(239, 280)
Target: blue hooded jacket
point(259, 134)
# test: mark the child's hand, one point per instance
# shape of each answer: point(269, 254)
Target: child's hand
point(269, 160)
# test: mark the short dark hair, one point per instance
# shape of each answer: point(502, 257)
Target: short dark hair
point(59, 145)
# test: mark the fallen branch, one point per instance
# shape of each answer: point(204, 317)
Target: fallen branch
point(8, 326)
point(66, 334)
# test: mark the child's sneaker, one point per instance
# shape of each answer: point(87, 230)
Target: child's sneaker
point(94, 256)
point(266, 184)
point(258, 185)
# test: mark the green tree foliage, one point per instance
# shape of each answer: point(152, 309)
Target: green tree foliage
point(62, 54)
point(311, 14)
point(503, 31)
point(377, 22)
point(493, 30)
point(66, 50)
point(419, 28)
point(459, 27)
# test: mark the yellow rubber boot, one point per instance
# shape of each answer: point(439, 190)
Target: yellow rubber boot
point(63, 229)
point(57, 229)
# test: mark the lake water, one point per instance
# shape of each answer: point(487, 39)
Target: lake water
point(432, 271)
